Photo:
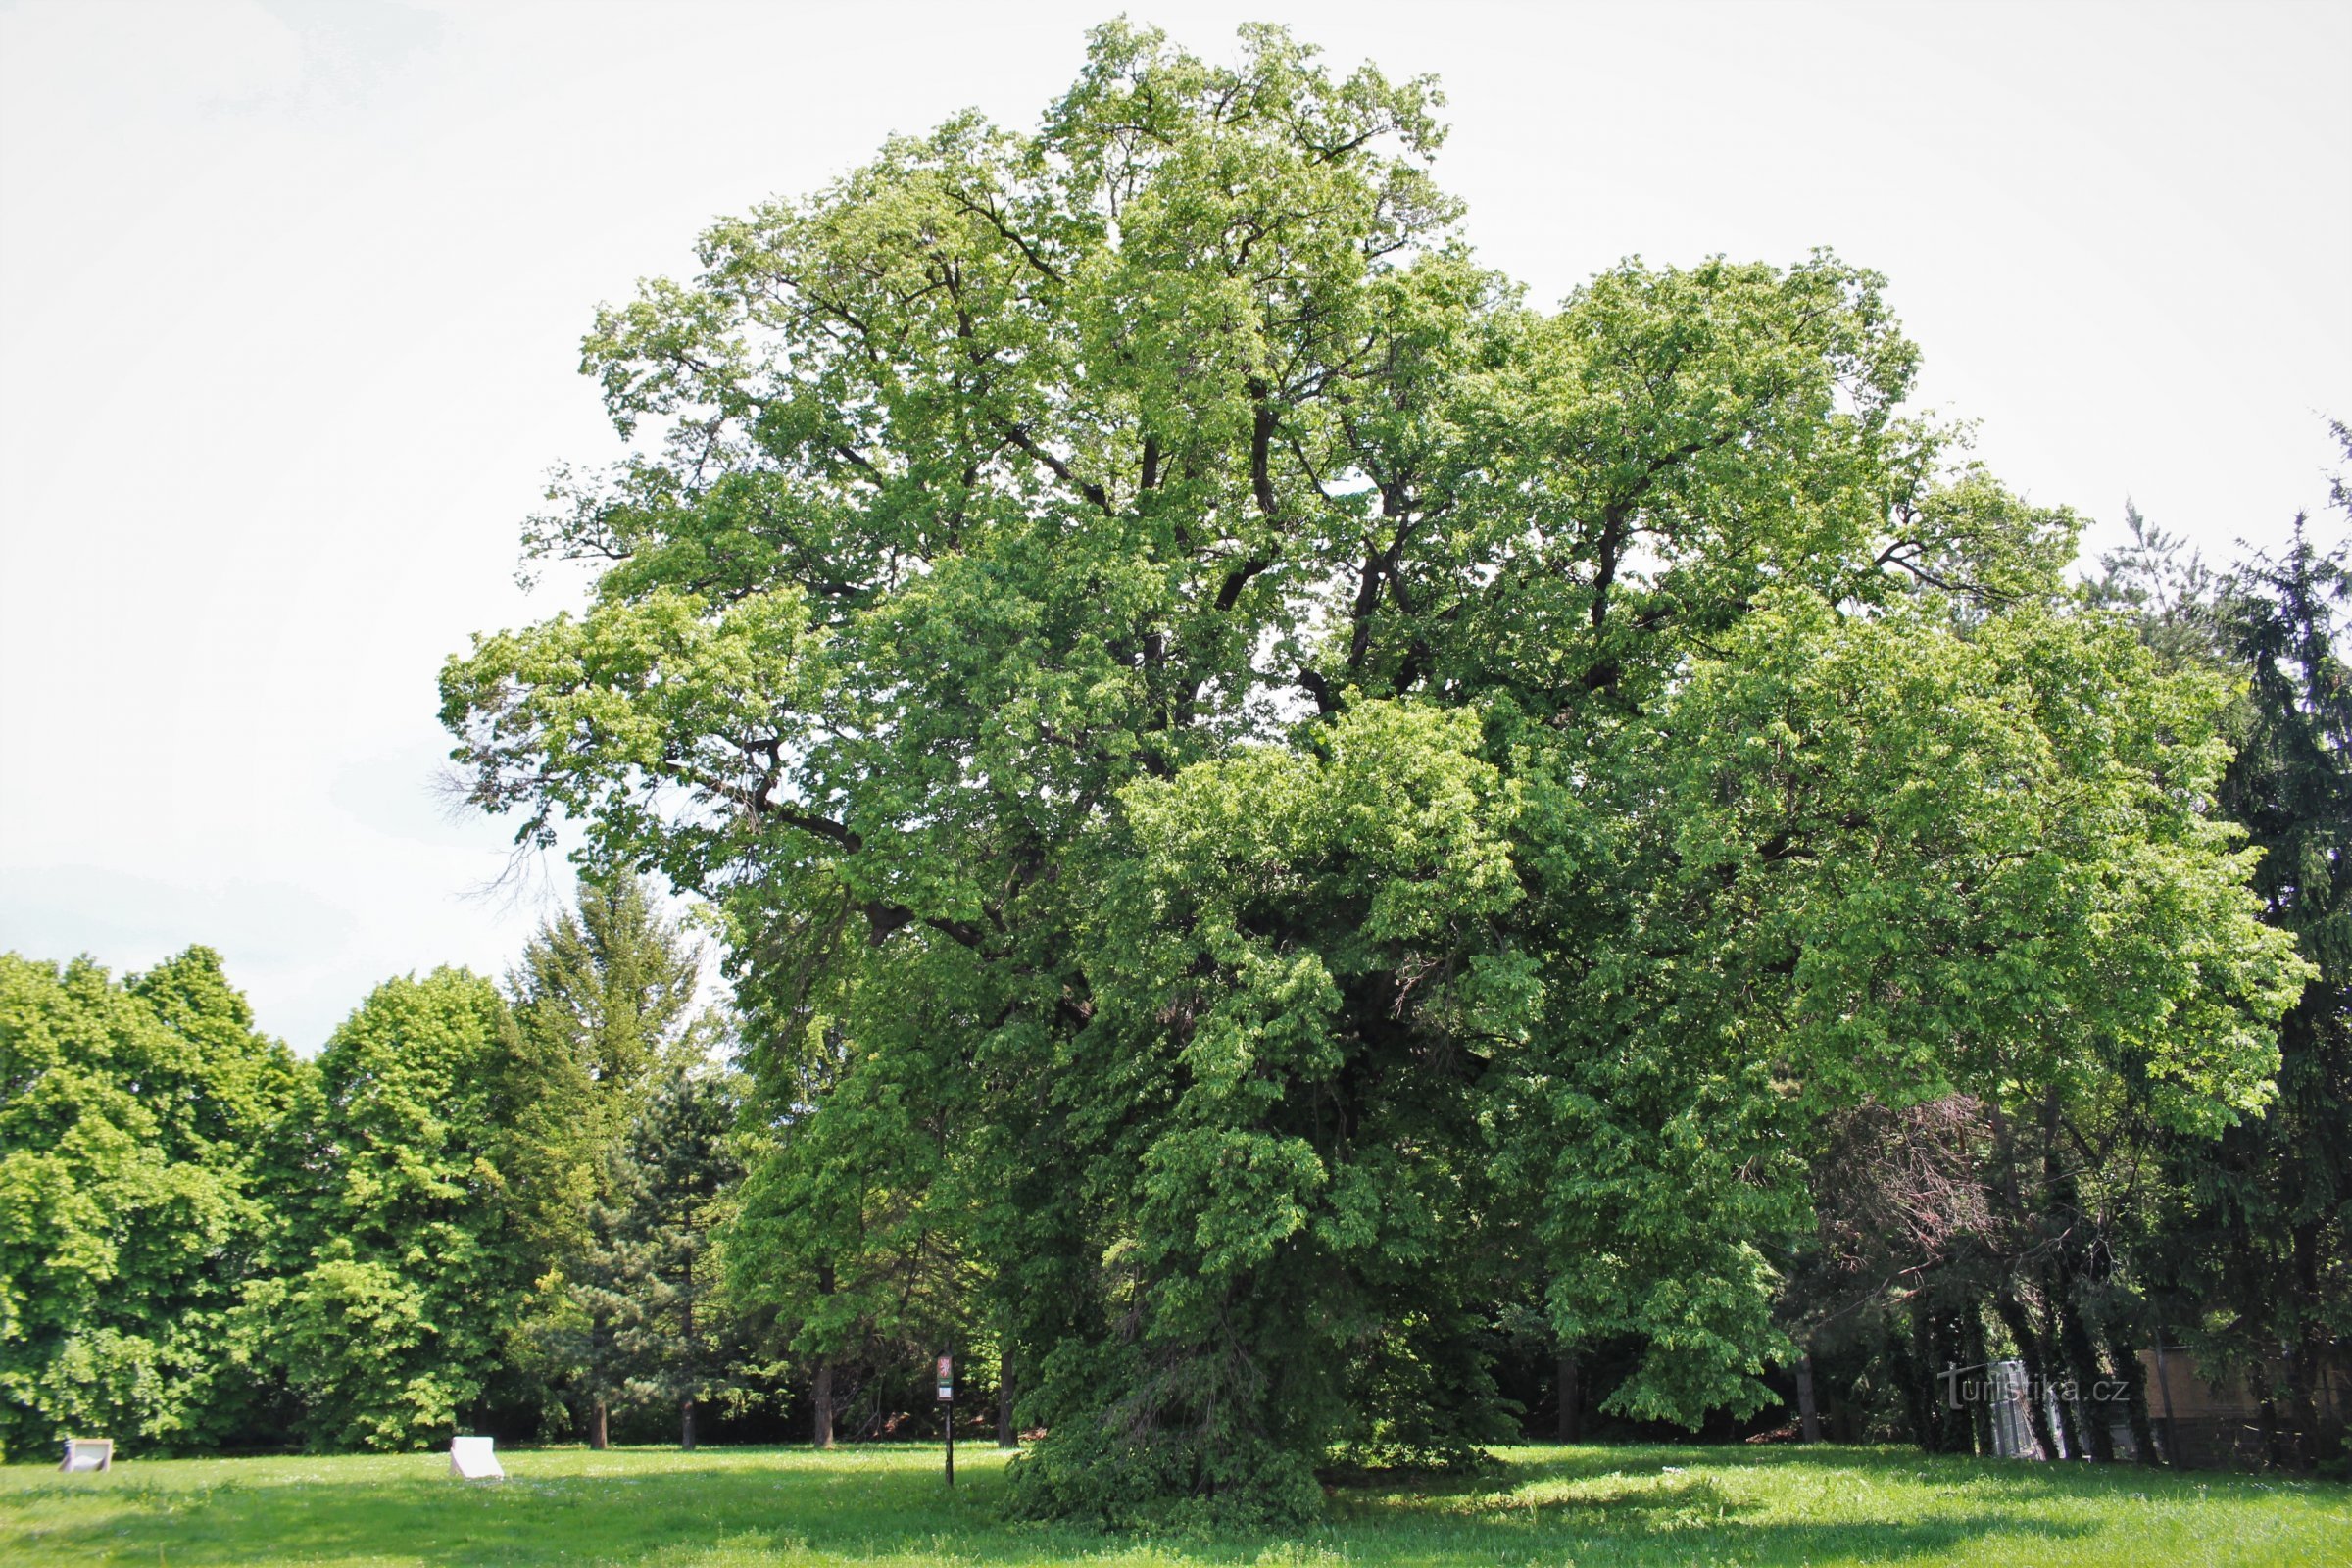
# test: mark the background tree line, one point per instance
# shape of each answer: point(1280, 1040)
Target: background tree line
point(478, 1206)
point(516, 1207)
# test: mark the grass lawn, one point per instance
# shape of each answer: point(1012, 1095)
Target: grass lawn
point(737, 1508)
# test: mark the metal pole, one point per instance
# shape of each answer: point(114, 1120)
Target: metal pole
point(2163, 1386)
point(947, 1410)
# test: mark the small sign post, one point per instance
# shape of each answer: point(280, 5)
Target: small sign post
point(947, 1410)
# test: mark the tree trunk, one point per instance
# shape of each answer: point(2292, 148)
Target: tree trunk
point(2083, 1364)
point(2273, 1439)
point(686, 1343)
point(1974, 1353)
point(1007, 1434)
point(1571, 1401)
point(596, 1426)
point(2299, 1356)
point(1958, 1429)
point(2068, 1266)
point(2301, 1406)
point(2087, 1376)
point(822, 1394)
point(1914, 1359)
point(2136, 1392)
point(2029, 1350)
point(821, 1398)
point(1808, 1413)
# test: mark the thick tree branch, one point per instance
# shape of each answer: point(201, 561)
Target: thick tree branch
point(996, 220)
point(1019, 436)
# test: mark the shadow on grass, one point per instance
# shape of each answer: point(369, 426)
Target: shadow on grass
point(2024, 1480)
point(1626, 1504)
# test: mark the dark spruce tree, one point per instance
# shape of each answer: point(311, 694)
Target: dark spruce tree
point(2259, 1242)
point(679, 1333)
point(603, 996)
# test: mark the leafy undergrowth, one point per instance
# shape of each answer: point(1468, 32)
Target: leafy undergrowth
point(741, 1508)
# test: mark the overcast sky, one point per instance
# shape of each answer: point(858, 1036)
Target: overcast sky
point(291, 294)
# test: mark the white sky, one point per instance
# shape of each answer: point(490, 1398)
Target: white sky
point(291, 294)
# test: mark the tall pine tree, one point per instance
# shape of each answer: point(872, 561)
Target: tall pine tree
point(602, 996)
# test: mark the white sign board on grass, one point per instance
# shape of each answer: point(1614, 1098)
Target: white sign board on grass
point(470, 1459)
point(88, 1454)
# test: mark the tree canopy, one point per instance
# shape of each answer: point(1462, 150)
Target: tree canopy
point(1263, 787)
point(145, 1131)
point(395, 1321)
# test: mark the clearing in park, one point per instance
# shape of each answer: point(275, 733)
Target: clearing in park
point(740, 1507)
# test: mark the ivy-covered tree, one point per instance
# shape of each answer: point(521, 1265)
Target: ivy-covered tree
point(1252, 775)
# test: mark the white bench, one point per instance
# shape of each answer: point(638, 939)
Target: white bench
point(470, 1459)
point(88, 1454)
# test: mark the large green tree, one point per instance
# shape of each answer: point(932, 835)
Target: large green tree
point(395, 1319)
point(1263, 785)
point(147, 1137)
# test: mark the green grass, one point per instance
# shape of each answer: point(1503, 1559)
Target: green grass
point(737, 1508)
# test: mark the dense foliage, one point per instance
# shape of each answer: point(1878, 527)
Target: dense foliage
point(1292, 835)
point(1267, 793)
point(146, 1145)
point(474, 1209)
point(394, 1326)
point(2082, 1230)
